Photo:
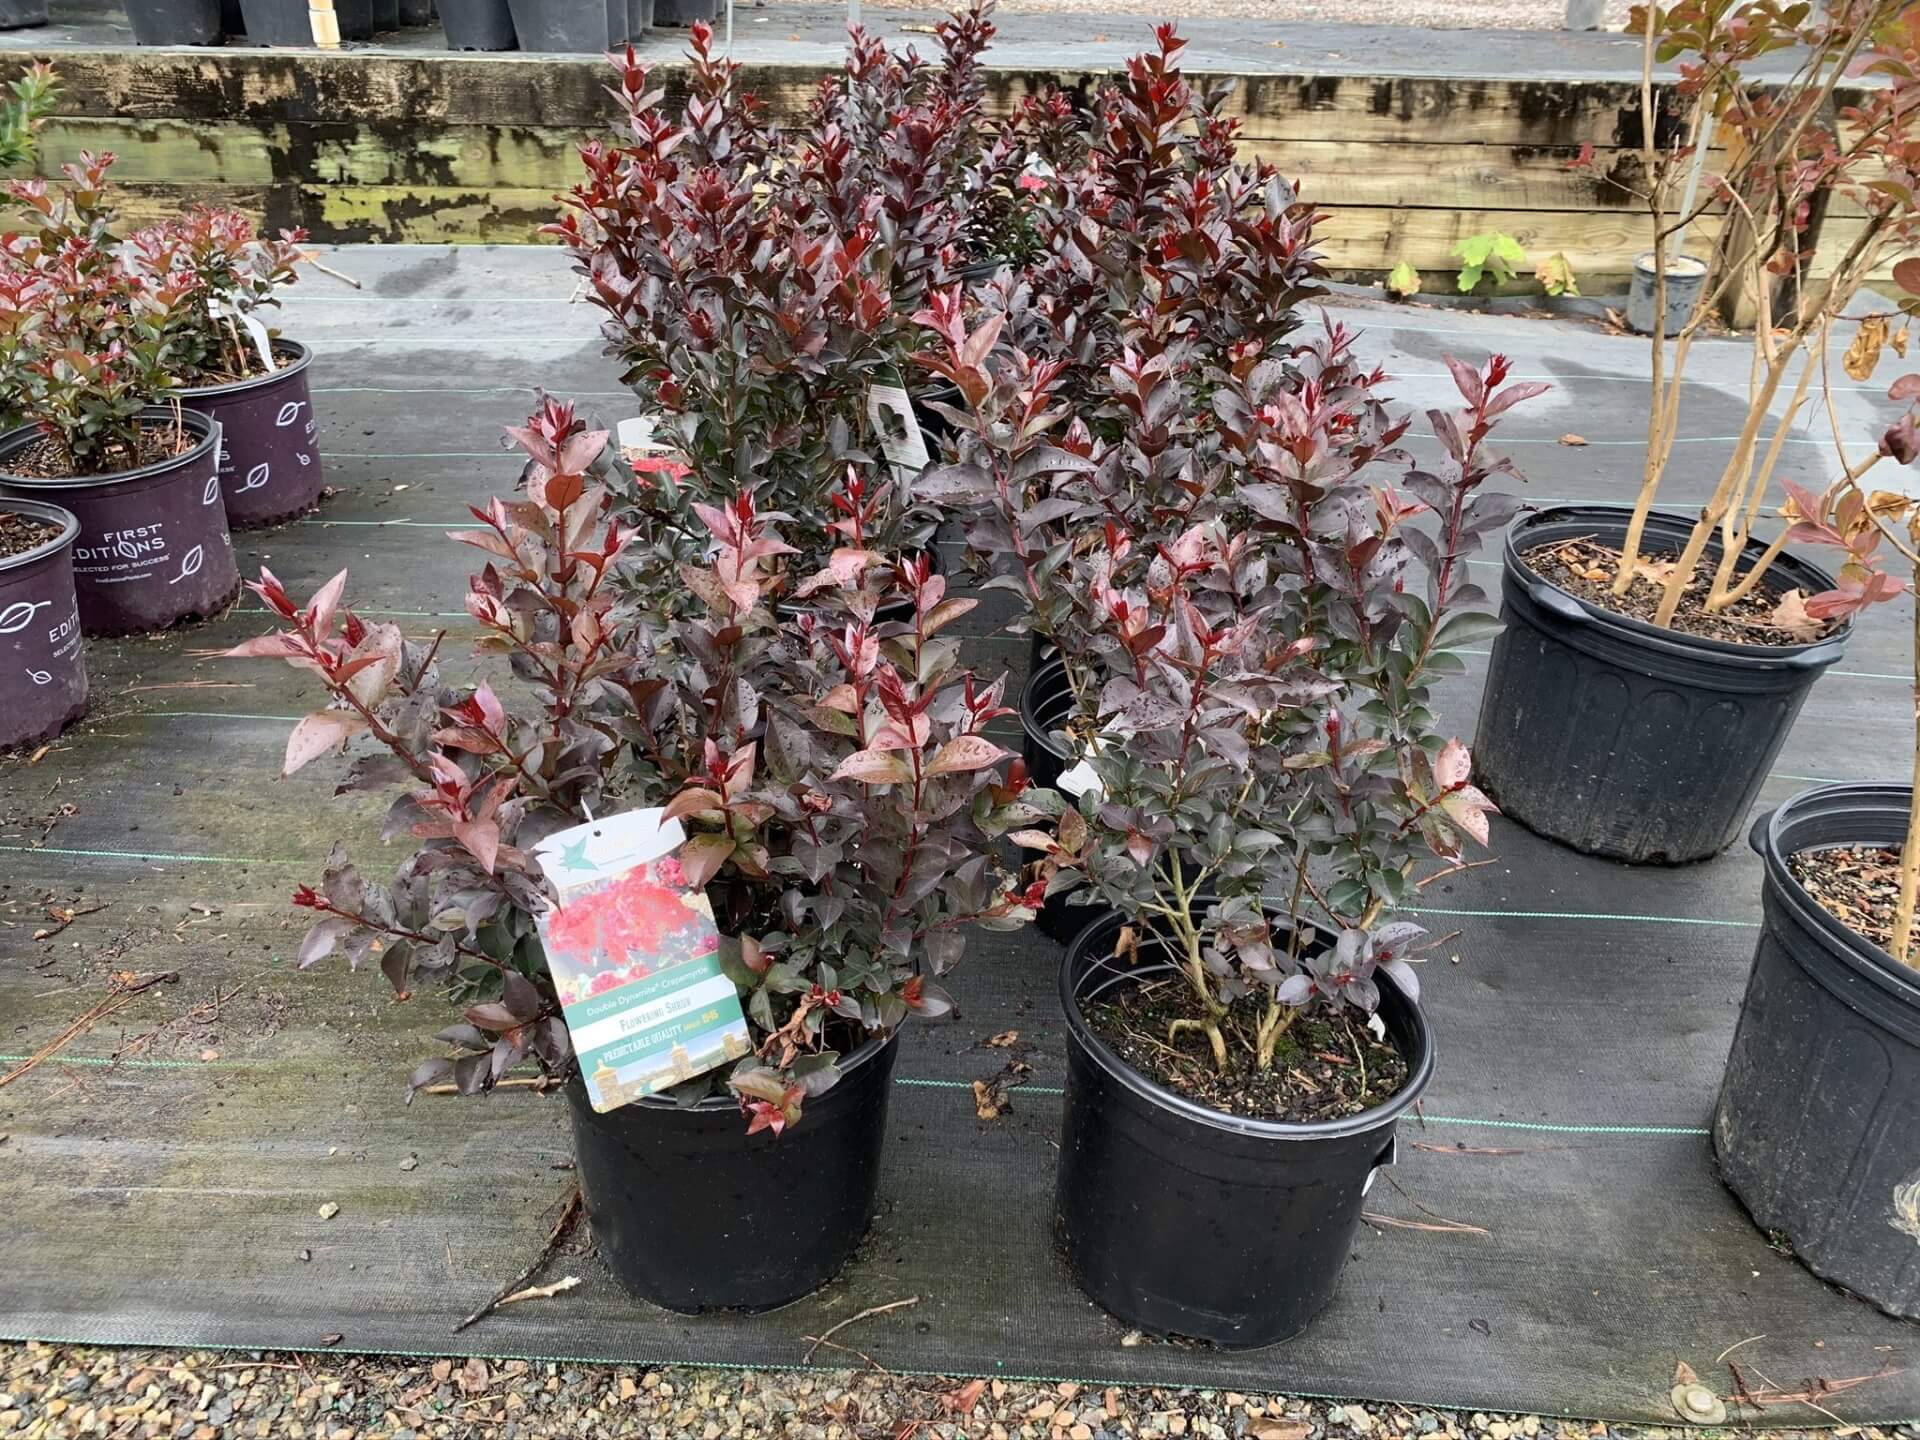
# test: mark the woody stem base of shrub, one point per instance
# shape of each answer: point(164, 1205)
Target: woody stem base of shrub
point(1155, 1192)
point(1620, 739)
point(694, 1214)
point(1816, 1131)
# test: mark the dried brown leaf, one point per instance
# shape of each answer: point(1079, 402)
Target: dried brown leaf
point(1864, 353)
point(1790, 615)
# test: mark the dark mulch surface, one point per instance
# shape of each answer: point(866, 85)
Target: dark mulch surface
point(1585, 569)
point(1323, 1069)
point(45, 460)
point(20, 533)
point(1859, 885)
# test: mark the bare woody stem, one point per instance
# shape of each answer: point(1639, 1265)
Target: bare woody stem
point(1901, 944)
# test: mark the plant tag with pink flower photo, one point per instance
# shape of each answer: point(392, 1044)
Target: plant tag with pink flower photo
point(635, 956)
point(895, 425)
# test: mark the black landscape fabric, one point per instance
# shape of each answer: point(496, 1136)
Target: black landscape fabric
point(1554, 1238)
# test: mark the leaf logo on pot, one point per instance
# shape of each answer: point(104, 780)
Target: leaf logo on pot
point(289, 413)
point(18, 615)
point(256, 477)
point(191, 564)
point(40, 677)
point(212, 492)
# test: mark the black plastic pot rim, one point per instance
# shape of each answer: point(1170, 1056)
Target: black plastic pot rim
point(192, 421)
point(868, 1050)
point(1419, 1073)
point(68, 522)
point(298, 357)
point(1768, 839)
point(1812, 655)
point(1030, 716)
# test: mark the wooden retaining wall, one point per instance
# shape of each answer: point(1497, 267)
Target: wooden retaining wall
point(451, 148)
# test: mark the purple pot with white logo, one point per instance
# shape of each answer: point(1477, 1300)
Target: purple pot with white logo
point(270, 448)
point(43, 663)
point(153, 546)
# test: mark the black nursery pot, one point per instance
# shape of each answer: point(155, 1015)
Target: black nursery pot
point(684, 12)
point(20, 14)
point(1818, 1125)
point(1180, 1220)
point(1621, 739)
point(43, 663)
point(269, 448)
point(478, 25)
point(575, 27)
point(277, 22)
point(175, 22)
point(1046, 701)
point(153, 546)
point(694, 1214)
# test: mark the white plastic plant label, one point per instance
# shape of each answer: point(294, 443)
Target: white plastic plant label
point(256, 332)
point(635, 433)
point(1083, 780)
point(635, 956)
point(890, 413)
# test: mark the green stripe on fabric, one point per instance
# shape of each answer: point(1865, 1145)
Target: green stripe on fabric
point(1581, 915)
point(1544, 1127)
point(148, 855)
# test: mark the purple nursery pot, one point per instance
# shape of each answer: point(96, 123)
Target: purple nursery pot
point(43, 664)
point(269, 452)
point(153, 546)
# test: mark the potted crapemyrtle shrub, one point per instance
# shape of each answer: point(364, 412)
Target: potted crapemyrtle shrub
point(43, 665)
point(227, 365)
point(1261, 772)
point(1816, 1130)
point(83, 358)
point(840, 800)
point(1645, 679)
point(759, 284)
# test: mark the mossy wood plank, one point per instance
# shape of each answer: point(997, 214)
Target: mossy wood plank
point(411, 91)
point(474, 157)
point(521, 157)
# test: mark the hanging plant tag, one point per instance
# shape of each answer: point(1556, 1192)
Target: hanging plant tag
point(890, 413)
point(635, 957)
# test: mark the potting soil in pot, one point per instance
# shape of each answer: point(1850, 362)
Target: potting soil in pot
point(1859, 885)
point(1323, 1069)
point(1586, 569)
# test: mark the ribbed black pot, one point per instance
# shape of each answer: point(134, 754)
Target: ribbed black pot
point(43, 662)
point(1046, 702)
point(575, 27)
point(277, 22)
point(694, 1214)
point(1180, 1220)
point(153, 546)
point(1621, 739)
point(175, 22)
point(1818, 1125)
point(478, 25)
point(269, 447)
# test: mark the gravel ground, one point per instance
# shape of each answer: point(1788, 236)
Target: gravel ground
point(49, 1391)
point(1426, 14)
